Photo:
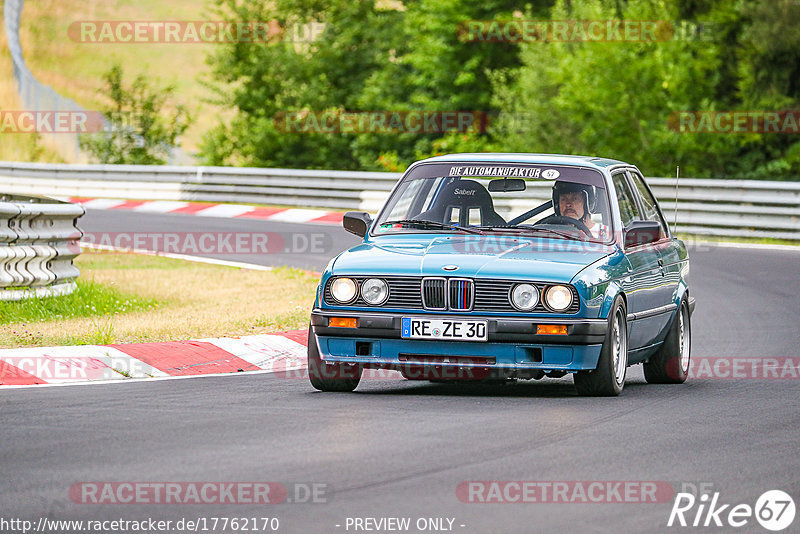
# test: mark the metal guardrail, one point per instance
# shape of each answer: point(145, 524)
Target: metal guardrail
point(288, 187)
point(35, 95)
point(38, 243)
point(715, 208)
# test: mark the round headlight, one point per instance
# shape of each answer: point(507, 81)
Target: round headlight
point(524, 297)
point(558, 298)
point(374, 291)
point(344, 289)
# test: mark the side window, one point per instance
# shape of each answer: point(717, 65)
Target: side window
point(648, 202)
point(627, 203)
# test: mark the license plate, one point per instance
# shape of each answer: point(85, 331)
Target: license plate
point(445, 329)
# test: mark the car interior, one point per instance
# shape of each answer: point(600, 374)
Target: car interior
point(467, 202)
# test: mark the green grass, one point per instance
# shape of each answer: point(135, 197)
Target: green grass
point(101, 333)
point(133, 298)
point(90, 299)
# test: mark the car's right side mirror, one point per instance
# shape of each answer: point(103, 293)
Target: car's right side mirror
point(357, 222)
point(642, 233)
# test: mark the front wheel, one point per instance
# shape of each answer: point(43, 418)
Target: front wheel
point(670, 365)
point(608, 379)
point(330, 376)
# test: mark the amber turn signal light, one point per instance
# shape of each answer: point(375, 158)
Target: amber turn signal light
point(343, 322)
point(552, 329)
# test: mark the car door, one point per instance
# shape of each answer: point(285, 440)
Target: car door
point(672, 252)
point(664, 293)
point(641, 286)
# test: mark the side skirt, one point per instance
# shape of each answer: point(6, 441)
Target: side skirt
point(643, 353)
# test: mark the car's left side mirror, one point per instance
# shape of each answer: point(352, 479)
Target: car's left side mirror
point(357, 222)
point(642, 233)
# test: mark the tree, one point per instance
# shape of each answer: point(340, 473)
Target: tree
point(295, 74)
point(617, 99)
point(614, 99)
point(371, 57)
point(138, 131)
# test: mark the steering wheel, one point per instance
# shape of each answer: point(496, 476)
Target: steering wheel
point(530, 213)
point(560, 219)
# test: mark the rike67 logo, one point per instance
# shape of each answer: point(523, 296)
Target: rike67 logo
point(774, 510)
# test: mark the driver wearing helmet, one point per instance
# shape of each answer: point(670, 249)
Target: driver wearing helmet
point(576, 201)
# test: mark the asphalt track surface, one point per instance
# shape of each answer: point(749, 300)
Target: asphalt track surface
point(400, 449)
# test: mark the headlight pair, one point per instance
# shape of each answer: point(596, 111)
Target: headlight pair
point(525, 297)
point(374, 291)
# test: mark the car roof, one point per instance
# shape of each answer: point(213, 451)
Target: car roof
point(547, 159)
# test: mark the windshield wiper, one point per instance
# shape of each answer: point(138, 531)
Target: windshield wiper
point(529, 228)
point(434, 225)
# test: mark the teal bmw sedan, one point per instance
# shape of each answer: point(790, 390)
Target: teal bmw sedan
point(487, 267)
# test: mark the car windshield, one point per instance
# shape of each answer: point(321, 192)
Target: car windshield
point(551, 200)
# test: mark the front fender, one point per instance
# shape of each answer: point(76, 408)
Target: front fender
point(612, 291)
point(323, 279)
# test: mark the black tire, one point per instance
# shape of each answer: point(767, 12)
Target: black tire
point(670, 365)
point(608, 379)
point(330, 376)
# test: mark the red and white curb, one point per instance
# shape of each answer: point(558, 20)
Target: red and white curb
point(283, 353)
point(228, 211)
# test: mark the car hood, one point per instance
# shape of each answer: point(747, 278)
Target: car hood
point(485, 256)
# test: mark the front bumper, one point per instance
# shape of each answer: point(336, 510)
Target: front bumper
point(512, 343)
